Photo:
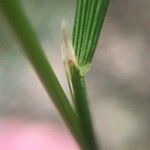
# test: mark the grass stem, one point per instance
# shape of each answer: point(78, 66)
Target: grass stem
point(81, 104)
point(19, 23)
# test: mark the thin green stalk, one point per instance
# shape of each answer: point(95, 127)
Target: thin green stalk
point(25, 34)
point(81, 104)
point(77, 89)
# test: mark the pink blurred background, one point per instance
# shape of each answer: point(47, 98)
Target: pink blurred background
point(20, 135)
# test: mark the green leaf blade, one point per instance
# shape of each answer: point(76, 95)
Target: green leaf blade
point(89, 21)
point(24, 32)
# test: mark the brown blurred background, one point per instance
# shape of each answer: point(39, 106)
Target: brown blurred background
point(118, 83)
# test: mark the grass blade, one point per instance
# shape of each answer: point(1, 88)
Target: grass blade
point(26, 36)
point(88, 23)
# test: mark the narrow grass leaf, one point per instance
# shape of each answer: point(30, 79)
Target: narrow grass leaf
point(23, 30)
point(88, 23)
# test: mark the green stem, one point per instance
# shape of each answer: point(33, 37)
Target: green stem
point(81, 103)
point(24, 32)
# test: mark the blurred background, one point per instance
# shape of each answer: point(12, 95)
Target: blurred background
point(118, 83)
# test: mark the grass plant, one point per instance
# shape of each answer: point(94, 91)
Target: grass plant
point(78, 54)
